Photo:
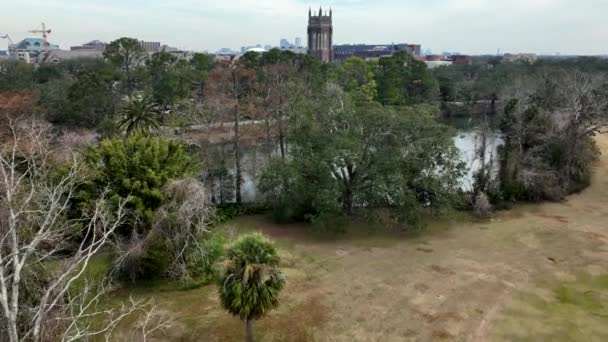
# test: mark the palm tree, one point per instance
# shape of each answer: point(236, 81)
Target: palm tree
point(139, 114)
point(250, 282)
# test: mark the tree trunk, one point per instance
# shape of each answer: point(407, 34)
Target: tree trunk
point(281, 136)
point(348, 201)
point(249, 331)
point(268, 140)
point(237, 154)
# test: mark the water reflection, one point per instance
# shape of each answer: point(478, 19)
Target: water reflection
point(467, 139)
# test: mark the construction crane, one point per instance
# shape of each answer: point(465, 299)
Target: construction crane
point(11, 45)
point(45, 35)
point(10, 41)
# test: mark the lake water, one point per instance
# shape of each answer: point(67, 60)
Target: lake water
point(466, 139)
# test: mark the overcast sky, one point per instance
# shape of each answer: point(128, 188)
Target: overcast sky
point(466, 26)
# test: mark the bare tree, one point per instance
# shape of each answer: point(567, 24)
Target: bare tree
point(36, 240)
point(550, 123)
point(234, 83)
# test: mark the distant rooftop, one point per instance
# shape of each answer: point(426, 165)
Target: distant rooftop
point(35, 44)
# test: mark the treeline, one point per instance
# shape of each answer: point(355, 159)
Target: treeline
point(360, 139)
point(130, 89)
point(129, 201)
point(548, 113)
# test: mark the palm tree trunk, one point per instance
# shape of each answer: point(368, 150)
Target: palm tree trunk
point(249, 331)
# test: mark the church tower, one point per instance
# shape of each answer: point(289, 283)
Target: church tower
point(321, 35)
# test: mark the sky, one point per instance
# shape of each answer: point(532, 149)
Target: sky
point(465, 26)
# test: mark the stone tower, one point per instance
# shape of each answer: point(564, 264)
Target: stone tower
point(320, 35)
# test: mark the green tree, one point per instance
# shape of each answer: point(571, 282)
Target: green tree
point(348, 154)
point(202, 64)
point(136, 169)
point(403, 80)
point(250, 282)
point(356, 76)
point(125, 54)
point(164, 78)
point(92, 98)
point(139, 114)
point(16, 75)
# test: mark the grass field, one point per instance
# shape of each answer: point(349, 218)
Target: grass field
point(534, 273)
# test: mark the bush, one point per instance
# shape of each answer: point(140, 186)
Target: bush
point(481, 206)
point(146, 259)
point(202, 262)
point(329, 223)
point(136, 169)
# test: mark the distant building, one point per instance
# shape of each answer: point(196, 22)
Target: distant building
point(256, 49)
point(298, 43)
point(226, 52)
point(435, 61)
point(27, 49)
point(435, 58)
point(284, 44)
point(461, 59)
point(94, 45)
point(34, 45)
point(150, 46)
point(366, 51)
point(56, 56)
point(436, 64)
point(320, 36)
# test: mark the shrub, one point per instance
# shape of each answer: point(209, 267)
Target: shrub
point(329, 223)
point(202, 262)
point(481, 206)
point(136, 169)
point(144, 259)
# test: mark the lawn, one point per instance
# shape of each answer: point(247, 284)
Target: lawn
point(534, 273)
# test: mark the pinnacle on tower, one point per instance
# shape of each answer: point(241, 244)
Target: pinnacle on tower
point(320, 11)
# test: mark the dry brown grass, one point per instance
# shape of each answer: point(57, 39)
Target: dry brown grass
point(458, 282)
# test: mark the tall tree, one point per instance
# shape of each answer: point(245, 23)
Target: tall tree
point(125, 54)
point(202, 65)
point(234, 82)
point(355, 75)
point(163, 78)
point(403, 80)
point(348, 154)
point(250, 282)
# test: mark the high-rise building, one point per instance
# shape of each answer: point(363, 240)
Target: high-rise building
point(320, 35)
point(366, 51)
point(150, 46)
point(95, 45)
point(298, 42)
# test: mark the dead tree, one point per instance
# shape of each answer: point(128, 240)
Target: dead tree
point(36, 232)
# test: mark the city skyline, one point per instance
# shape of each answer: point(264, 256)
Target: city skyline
point(467, 26)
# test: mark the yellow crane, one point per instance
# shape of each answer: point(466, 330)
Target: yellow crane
point(45, 34)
